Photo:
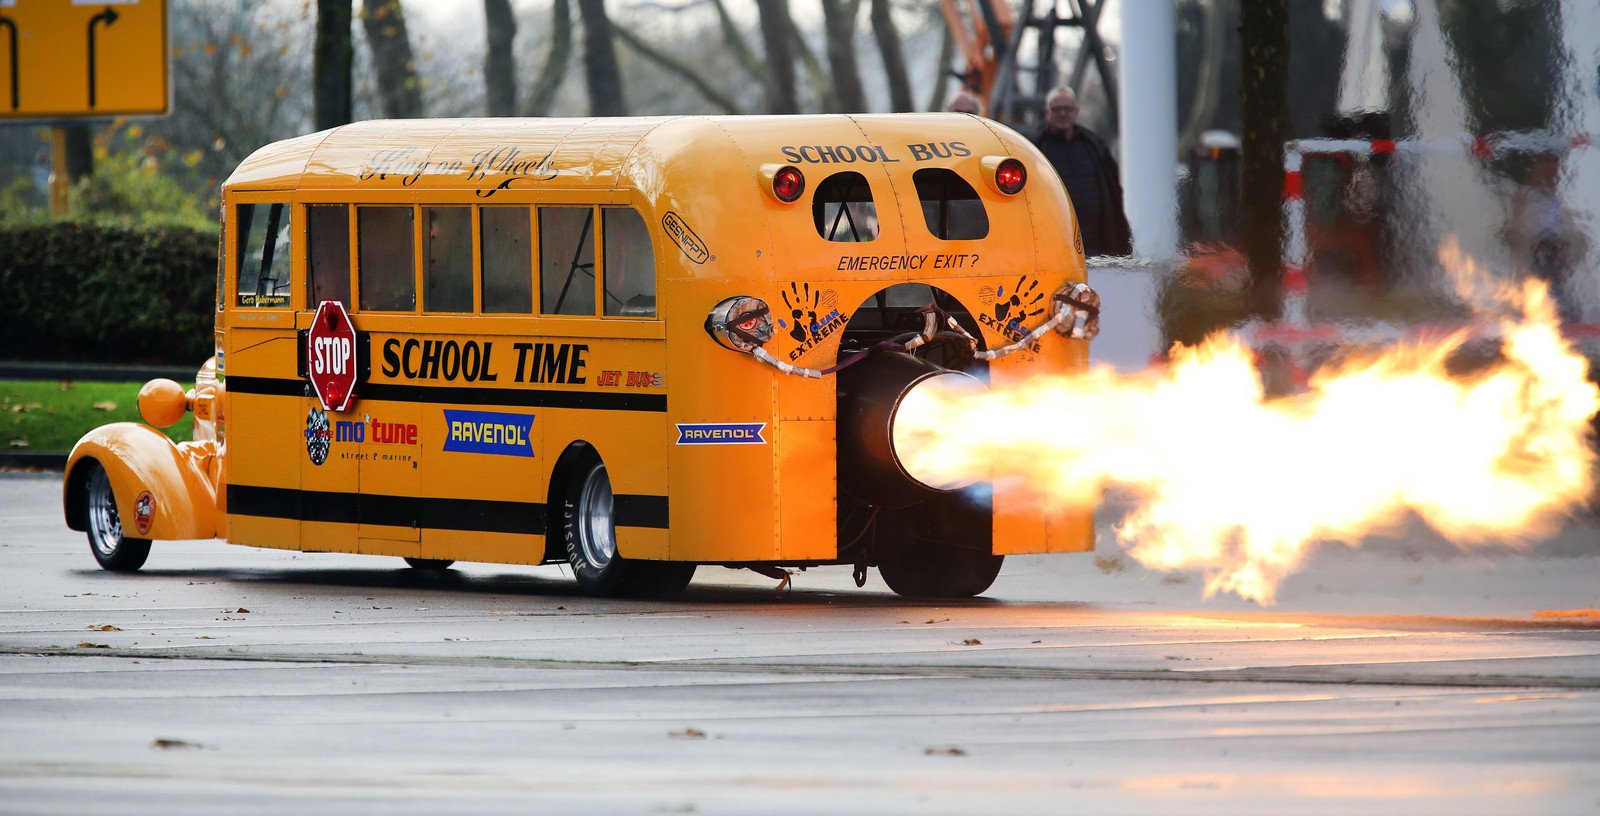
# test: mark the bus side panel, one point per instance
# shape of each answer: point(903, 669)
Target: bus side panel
point(720, 449)
point(505, 484)
point(1021, 523)
point(805, 487)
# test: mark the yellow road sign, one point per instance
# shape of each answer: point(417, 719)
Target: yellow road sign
point(73, 58)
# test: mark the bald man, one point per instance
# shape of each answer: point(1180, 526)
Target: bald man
point(1089, 172)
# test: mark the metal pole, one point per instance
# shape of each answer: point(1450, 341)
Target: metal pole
point(1149, 129)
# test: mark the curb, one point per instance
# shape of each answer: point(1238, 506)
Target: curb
point(32, 460)
point(93, 372)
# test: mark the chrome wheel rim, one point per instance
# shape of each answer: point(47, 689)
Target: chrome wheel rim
point(104, 522)
point(596, 536)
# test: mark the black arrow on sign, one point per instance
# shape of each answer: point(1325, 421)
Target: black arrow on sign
point(11, 28)
point(108, 16)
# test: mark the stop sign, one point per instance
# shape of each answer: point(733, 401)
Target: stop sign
point(331, 355)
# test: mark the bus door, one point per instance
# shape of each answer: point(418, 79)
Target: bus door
point(265, 413)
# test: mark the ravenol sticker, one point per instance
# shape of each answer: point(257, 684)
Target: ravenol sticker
point(488, 432)
point(721, 433)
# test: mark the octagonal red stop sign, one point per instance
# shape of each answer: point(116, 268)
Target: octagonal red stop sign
point(331, 355)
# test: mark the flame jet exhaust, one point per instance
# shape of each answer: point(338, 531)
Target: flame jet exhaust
point(1237, 486)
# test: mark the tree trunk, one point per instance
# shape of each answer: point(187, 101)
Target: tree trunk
point(894, 61)
point(1264, 120)
point(399, 91)
point(555, 61)
point(722, 101)
point(777, 33)
point(600, 61)
point(330, 65)
point(499, 66)
point(840, 24)
point(735, 41)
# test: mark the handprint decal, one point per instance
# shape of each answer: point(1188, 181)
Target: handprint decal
point(1022, 305)
point(813, 316)
point(804, 309)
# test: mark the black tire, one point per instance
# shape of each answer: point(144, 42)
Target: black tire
point(925, 569)
point(430, 564)
point(590, 537)
point(103, 524)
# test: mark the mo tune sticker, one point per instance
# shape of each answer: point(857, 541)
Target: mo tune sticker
point(813, 317)
point(1011, 311)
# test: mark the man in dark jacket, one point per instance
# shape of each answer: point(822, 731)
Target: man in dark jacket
point(1089, 172)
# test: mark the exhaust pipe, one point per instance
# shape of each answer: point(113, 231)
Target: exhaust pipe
point(871, 395)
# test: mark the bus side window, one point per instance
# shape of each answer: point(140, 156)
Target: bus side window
point(263, 278)
point(328, 258)
point(950, 207)
point(507, 260)
point(388, 269)
point(842, 208)
point(447, 253)
point(630, 264)
point(566, 260)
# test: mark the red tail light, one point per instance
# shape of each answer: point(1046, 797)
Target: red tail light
point(787, 184)
point(1010, 176)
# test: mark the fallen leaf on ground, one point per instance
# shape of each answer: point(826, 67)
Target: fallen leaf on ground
point(167, 744)
point(104, 627)
point(971, 642)
point(18, 443)
point(948, 750)
point(87, 645)
point(108, 405)
point(241, 611)
point(931, 620)
point(204, 637)
point(687, 733)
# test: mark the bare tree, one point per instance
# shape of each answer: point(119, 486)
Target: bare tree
point(600, 72)
point(499, 66)
point(839, 23)
point(777, 35)
point(399, 90)
point(554, 71)
point(735, 41)
point(678, 68)
point(894, 61)
point(331, 64)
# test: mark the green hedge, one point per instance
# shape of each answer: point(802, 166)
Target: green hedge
point(74, 292)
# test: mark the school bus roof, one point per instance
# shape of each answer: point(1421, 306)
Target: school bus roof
point(640, 153)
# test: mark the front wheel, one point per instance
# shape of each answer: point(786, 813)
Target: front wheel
point(926, 569)
point(590, 535)
point(111, 549)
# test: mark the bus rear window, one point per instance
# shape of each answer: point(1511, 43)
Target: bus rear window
point(447, 246)
point(566, 260)
point(263, 255)
point(950, 206)
point(507, 260)
point(388, 268)
point(842, 208)
point(630, 264)
point(328, 263)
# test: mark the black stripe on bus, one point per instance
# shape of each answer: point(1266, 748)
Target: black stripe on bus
point(457, 395)
point(473, 515)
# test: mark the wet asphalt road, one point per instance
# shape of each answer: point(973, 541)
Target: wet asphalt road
point(1404, 677)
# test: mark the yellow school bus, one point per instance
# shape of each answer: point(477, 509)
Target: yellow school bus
point(634, 345)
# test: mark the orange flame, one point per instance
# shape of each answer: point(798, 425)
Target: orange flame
point(1238, 487)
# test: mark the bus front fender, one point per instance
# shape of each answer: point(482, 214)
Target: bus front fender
point(141, 460)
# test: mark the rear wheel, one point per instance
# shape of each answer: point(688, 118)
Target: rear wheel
point(430, 564)
point(590, 534)
point(111, 549)
point(937, 549)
